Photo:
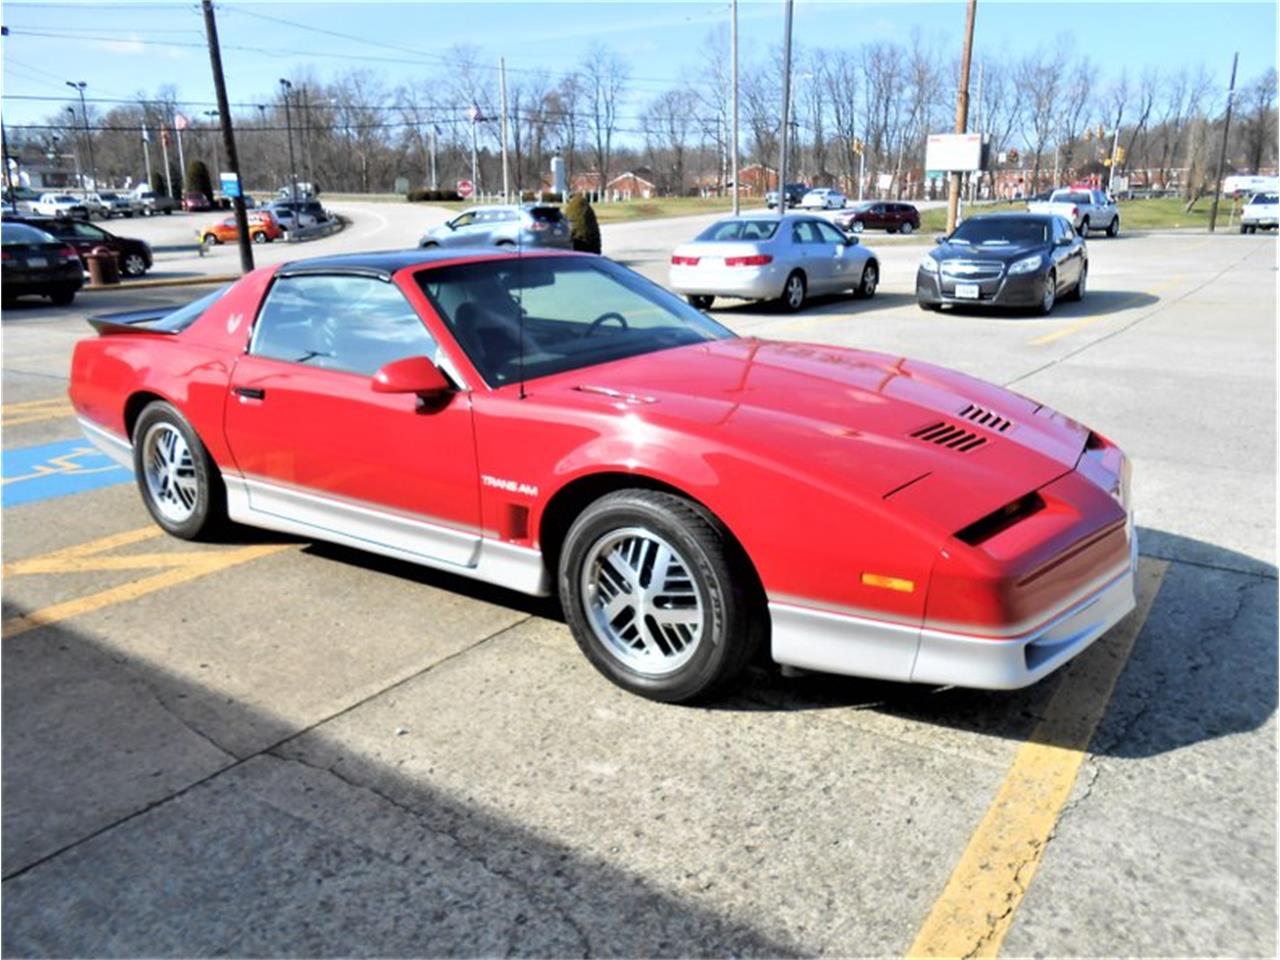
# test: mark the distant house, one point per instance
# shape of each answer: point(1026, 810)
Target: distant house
point(756, 180)
point(632, 185)
point(584, 183)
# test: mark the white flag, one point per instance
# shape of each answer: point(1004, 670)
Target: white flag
point(179, 121)
point(146, 135)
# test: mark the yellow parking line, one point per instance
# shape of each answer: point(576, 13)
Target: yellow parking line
point(978, 904)
point(33, 411)
point(182, 566)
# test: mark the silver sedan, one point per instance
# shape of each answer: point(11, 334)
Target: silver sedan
point(786, 258)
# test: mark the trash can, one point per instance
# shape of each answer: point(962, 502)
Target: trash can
point(104, 268)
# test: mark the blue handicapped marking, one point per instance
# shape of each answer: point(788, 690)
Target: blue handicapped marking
point(31, 474)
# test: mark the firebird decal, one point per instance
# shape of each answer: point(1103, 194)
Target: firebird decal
point(234, 321)
point(525, 489)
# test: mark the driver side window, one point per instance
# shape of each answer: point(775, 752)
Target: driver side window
point(464, 220)
point(352, 324)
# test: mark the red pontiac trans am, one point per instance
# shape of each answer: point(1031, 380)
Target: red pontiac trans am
point(558, 423)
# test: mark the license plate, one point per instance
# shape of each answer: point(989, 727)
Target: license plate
point(967, 291)
point(37, 262)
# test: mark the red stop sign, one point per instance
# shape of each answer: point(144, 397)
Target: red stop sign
point(466, 188)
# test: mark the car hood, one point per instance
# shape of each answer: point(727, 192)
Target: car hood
point(851, 420)
point(964, 251)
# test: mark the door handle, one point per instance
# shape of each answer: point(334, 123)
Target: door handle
point(249, 393)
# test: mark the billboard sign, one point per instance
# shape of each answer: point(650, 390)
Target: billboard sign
point(955, 152)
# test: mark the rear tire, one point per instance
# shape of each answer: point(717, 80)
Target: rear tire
point(134, 265)
point(929, 307)
point(1113, 228)
point(857, 226)
point(63, 298)
point(612, 601)
point(259, 237)
point(209, 240)
point(907, 228)
point(793, 292)
point(700, 301)
point(180, 484)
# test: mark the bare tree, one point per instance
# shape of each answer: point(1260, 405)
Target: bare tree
point(605, 76)
point(840, 75)
point(564, 112)
point(668, 123)
point(1039, 78)
point(1258, 120)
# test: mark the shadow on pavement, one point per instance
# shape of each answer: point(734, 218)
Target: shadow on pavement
point(1095, 304)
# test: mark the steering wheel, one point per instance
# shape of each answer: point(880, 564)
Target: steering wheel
point(602, 319)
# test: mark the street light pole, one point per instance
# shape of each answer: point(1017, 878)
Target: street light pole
point(733, 52)
point(506, 170)
point(786, 108)
point(75, 151)
point(79, 86)
point(217, 160)
point(285, 87)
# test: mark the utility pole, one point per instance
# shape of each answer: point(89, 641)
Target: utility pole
point(228, 136)
point(786, 107)
point(306, 136)
point(75, 150)
point(182, 161)
point(435, 180)
point(146, 152)
point(475, 175)
point(79, 86)
point(962, 112)
point(506, 174)
point(733, 150)
point(164, 153)
point(1222, 154)
point(285, 87)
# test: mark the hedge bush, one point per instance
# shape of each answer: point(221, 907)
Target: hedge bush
point(584, 226)
point(424, 195)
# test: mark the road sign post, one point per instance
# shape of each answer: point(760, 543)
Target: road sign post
point(465, 189)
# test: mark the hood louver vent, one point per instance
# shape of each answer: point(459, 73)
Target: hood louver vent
point(949, 436)
point(986, 418)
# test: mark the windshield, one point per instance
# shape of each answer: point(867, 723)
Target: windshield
point(738, 230)
point(12, 234)
point(1001, 231)
point(566, 312)
point(1265, 198)
point(66, 199)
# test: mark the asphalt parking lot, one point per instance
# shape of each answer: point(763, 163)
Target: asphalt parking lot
point(271, 746)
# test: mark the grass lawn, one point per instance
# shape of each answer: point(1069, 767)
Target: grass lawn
point(1162, 213)
point(648, 209)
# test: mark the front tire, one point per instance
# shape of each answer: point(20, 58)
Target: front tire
point(1113, 228)
point(870, 280)
point(1078, 291)
point(907, 228)
point(179, 482)
point(259, 237)
point(700, 301)
point(793, 292)
point(1050, 295)
point(658, 596)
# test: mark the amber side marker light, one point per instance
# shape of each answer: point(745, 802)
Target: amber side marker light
point(888, 583)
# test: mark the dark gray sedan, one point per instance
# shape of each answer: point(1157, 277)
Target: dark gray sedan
point(1005, 260)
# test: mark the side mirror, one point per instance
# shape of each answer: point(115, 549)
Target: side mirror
point(411, 375)
point(850, 241)
point(940, 238)
point(1064, 241)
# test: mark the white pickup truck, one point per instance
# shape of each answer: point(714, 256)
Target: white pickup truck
point(1086, 209)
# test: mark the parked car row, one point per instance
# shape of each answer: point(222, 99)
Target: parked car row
point(36, 263)
point(134, 256)
point(1020, 260)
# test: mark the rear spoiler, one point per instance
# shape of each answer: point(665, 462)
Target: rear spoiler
point(131, 321)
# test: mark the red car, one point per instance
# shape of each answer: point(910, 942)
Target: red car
point(196, 202)
point(879, 215)
point(556, 423)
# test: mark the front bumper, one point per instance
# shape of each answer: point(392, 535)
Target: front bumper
point(747, 283)
point(844, 643)
point(1262, 223)
point(1022, 290)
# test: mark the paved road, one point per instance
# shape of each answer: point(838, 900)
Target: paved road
point(269, 746)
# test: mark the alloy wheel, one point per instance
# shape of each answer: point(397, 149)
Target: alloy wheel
point(641, 601)
point(170, 472)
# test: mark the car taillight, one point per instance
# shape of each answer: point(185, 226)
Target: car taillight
point(69, 253)
point(759, 260)
point(685, 261)
point(538, 225)
point(1075, 212)
point(5, 255)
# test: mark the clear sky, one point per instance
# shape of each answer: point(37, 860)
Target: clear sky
point(113, 46)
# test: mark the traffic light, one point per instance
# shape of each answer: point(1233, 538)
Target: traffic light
point(857, 146)
point(1119, 154)
point(1106, 161)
